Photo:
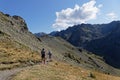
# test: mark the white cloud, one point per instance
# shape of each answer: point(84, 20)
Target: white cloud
point(111, 16)
point(100, 5)
point(79, 14)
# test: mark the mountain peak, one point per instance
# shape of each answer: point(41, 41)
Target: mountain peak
point(40, 34)
point(14, 21)
point(19, 20)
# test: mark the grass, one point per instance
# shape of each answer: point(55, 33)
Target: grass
point(61, 71)
point(13, 54)
point(9, 66)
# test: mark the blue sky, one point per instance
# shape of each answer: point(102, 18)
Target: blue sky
point(50, 15)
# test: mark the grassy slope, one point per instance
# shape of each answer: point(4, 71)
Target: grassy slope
point(13, 54)
point(60, 71)
point(64, 51)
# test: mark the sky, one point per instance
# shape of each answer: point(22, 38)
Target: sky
point(51, 15)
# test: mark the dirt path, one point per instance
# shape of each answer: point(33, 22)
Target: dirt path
point(6, 74)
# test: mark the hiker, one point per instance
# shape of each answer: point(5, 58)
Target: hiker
point(43, 55)
point(49, 55)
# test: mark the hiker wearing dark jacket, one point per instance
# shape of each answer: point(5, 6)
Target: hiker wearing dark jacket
point(43, 55)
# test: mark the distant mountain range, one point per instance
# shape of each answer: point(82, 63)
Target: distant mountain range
point(40, 34)
point(101, 39)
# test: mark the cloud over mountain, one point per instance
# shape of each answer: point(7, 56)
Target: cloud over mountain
point(112, 16)
point(78, 14)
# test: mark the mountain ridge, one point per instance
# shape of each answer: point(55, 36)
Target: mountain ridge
point(96, 35)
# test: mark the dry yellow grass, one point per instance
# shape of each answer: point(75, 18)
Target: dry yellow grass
point(60, 71)
point(13, 54)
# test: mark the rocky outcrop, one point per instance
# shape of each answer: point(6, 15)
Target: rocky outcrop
point(20, 21)
point(17, 29)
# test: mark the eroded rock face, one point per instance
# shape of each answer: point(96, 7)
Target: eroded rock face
point(20, 21)
point(16, 21)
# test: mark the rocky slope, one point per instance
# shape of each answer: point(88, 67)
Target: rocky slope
point(16, 28)
point(101, 39)
point(65, 52)
point(108, 46)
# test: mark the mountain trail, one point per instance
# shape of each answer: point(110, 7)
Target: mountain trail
point(7, 74)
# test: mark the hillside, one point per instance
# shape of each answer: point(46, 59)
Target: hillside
point(110, 47)
point(16, 28)
point(101, 39)
point(14, 54)
point(61, 71)
point(65, 52)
